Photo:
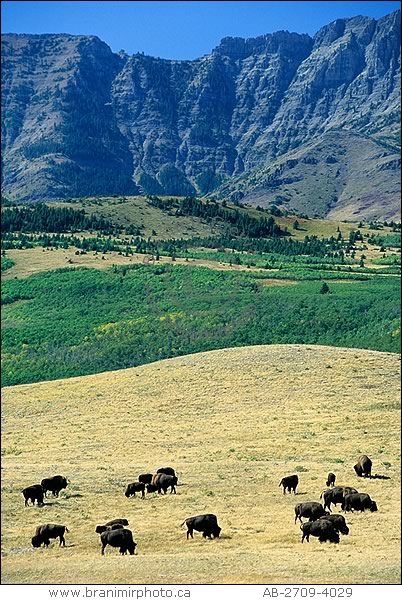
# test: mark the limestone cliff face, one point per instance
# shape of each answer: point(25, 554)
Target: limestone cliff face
point(79, 119)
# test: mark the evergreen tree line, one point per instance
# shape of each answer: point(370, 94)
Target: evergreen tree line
point(311, 245)
point(243, 223)
point(42, 218)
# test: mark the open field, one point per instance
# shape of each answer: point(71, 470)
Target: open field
point(37, 260)
point(233, 423)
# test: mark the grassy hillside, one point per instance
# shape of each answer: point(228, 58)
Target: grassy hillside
point(137, 210)
point(338, 176)
point(78, 321)
point(232, 423)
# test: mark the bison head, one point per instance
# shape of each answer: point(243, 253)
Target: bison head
point(128, 492)
point(359, 470)
point(151, 488)
point(217, 531)
point(36, 541)
point(100, 529)
point(373, 507)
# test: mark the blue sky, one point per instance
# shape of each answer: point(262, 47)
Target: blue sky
point(177, 30)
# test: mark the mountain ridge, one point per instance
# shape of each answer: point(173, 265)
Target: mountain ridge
point(81, 120)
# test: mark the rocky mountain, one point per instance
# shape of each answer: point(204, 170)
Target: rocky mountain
point(308, 123)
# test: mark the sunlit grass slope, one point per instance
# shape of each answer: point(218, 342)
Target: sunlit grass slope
point(232, 422)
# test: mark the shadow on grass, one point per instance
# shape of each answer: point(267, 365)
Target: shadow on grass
point(67, 496)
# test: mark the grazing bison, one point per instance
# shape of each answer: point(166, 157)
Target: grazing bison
point(310, 510)
point(145, 478)
point(363, 466)
point(289, 483)
point(336, 496)
point(118, 538)
point(338, 521)
point(44, 533)
point(331, 480)
point(161, 481)
point(207, 524)
point(359, 502)
point(323, 529)
point(32, 493)
point(167, 471)
point(54, 484)
point(123, 522)
point(151, 488)
point(102, 528)
point(137, 486)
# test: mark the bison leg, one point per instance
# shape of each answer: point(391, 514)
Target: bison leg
point(103, 549)
point(142, 494)
point(173, 490)
point(190, 533)
point(62, 541)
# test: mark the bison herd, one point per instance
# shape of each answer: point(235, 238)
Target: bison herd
point(321, 522)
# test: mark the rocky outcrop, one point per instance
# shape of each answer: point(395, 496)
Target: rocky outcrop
point(80, 120)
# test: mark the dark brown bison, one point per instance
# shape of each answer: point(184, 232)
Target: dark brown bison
point(207, 524)
point(161, 482)
point(323, 529)
point(118, 538)
point(336, 495)
point(363, 466)
point(132, 488)
point(32, 493)
point(359, 502)
point(123, 522)
point(101, 528)
point(289, 483)
point(310, 510)
point(167, 471)
point(44, 533)
point(145, 478)
point(54, 484)
point(331, 480)
point(338, 521)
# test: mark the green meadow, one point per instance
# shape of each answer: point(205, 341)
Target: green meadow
point(70, 322)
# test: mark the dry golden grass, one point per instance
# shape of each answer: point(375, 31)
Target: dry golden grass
point(233, 423)
point(36, 260)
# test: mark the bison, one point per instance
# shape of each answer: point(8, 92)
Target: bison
point(54, 484)
point(310, 510)
point(331, 480)
point(101, 528)
point(289, 483)
point(336, 496)
point(44, 533)
point(32, 493)
point(132, 488)
point(323, 529)
point(338, 521)
point(123, 522)
point(118, 538)
point(167, 471)
point(207, 524)
point(145, 478)
point(363, 466)
point(359, 502)
point(161, 481)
